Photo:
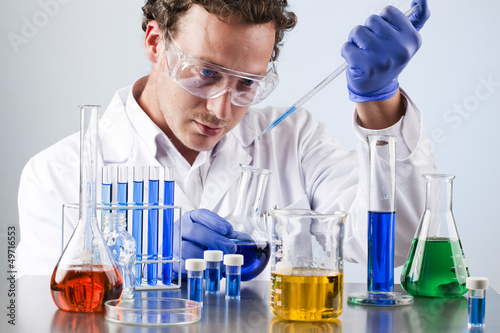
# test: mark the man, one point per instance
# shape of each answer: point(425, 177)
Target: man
point(211, 61)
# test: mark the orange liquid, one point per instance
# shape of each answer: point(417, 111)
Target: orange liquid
point(85, 288)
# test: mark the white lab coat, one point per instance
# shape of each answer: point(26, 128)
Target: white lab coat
point(309, 170)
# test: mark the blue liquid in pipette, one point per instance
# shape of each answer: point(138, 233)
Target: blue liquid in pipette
point(195, 289)
point(138, 199)
point(153, 233)
point(476, 311)
point(106, 198)
point(122, 198)
point(233, 285)
point(256, 256)
point(212, 277)
point(168, 232)
point(381, 251)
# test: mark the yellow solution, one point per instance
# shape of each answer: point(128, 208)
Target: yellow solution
point(307, 294)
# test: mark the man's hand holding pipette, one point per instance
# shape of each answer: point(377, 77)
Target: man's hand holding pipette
point(377, 53)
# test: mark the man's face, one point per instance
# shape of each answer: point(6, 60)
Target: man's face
point(200, 123)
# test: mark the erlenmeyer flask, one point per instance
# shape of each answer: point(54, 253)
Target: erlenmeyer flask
point(247, 218)
point(436, 265)
point(86, 276)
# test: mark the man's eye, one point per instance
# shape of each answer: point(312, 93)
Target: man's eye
point(208, 73)
point(248, 82)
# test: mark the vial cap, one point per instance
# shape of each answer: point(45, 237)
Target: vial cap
point(213, 255)
point(233, 260)
point(477, 283)
point(195, 265)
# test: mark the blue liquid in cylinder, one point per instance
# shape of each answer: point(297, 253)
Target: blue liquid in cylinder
point(195, 289)
point(168, 231)
point(381, 251)
point(212, 276)
point(152, 269)
point(256, 256)
point(476, 311)
point(138, 198)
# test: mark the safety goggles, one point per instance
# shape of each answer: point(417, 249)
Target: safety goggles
point(206, 80)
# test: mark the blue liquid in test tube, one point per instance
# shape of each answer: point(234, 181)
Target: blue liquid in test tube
point(195, 269)
point(138, 199)
point(152, 268)
point(168, 225)
point(122, 190)
point(233, 264)
point(107, 188)
point(381, 251)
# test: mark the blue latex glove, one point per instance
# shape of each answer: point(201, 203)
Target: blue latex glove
point(203, 229)
point(378, 51)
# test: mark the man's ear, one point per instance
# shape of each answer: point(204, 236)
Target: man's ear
point(153, 42)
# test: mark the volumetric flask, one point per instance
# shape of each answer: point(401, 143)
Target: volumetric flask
point(247, 218)
point(436, 266)
point(86, 276)
point(307, 267)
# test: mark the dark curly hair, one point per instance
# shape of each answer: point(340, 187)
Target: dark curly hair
point(168, 12)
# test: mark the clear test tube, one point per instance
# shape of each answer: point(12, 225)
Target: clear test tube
point(213, 272)
point(477, 301)
point(153, 200)
point(138, 200)
point(195, 269)
point(233, 264)
point(168, 224)
point(122, 189)
point(106, 189)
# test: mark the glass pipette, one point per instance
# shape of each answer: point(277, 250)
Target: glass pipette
point(318, 88)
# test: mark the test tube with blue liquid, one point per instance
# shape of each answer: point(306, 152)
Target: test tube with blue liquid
point(168, 225)
point(477, 302)
point(233, 263)
point(153, 200)
point(106, 188)
point(213, 273)
point(195, 269)
point(137, 216)
point(381, 224)
point(122, 189)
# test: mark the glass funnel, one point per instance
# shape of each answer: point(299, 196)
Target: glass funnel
point(86, 276)
point(436, 266)
point(247, 218)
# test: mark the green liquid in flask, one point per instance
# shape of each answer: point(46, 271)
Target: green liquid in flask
point(435, 268)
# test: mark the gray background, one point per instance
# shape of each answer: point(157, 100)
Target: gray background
point(58, 54)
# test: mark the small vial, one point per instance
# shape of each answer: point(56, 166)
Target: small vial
point(195, 269)
point(477, 301)
point(233, 264)
point(213, 272)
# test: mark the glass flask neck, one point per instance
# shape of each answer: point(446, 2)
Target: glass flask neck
point(114, 221)
point(438, 193)
point(251, 189)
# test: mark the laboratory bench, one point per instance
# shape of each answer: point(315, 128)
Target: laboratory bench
point(35, 311)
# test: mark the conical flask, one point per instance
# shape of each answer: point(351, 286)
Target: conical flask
point(86, 276)
point(247, 218)
point(436, 266)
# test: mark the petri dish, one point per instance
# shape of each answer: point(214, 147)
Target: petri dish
point(150, 311)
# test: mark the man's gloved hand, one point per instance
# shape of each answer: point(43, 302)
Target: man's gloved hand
point(378, 51)
point(202, 229)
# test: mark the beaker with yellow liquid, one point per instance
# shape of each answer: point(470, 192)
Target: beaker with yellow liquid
point(307, 276)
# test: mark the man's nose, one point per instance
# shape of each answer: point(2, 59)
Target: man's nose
point(221, 106)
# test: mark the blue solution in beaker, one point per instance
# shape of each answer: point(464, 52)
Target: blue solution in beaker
point(381, 251)
point(168, 231)
point(152, 268)
point(138, 199)
point(256, 257)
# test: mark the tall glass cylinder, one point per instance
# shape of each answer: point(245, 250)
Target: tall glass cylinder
point(86, 276)
point(381, 225)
